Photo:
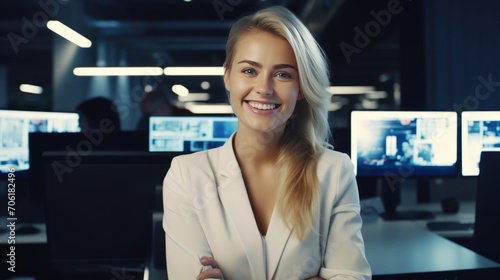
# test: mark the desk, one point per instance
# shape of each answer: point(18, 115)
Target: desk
point(399, 248)
point(403, 247)
point(465, 214)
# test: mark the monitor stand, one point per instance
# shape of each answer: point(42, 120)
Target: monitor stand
point(392, 195)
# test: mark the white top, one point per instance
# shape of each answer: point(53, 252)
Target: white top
point(264, 249)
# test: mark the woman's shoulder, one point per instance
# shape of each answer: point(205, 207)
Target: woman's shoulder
point(329, 154)
point(195, 157)
point(334, 159)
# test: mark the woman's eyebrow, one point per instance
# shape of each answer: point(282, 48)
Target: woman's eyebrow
point(277, 66)
point(282, 66)
point(251, 62)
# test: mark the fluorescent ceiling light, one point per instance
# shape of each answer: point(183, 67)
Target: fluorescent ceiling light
point(334, 106)
point(118, 71)
point(342, 90)
point(31, 89)
point(369, 104)
point(194, 71)
point(148, 88)
point(68, 34)
point(194, 97)
point(205, 85)
point(376, 94)
point(180, 90)
point(209, 109)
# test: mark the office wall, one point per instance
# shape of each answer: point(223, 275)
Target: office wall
point(3, 87)
point(450, 60)
point(462, 55)
point(462, 68)
point(70, 90)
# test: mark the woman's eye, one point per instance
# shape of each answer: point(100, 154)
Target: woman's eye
point(283, 75)
point(248, 71)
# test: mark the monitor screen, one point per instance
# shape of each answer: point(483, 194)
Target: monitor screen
point(95, 214)
point(402, 142)
point(189, 134)
point(480, 132)
point(76, 145)
point(15, 127)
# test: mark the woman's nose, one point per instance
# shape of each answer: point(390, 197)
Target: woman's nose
point(264, 86)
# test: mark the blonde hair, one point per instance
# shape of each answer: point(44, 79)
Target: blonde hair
point(307, 131)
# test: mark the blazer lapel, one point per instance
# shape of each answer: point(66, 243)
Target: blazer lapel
point(233, 195)
point(277, 237)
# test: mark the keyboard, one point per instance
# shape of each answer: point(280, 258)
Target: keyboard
point(450, 225)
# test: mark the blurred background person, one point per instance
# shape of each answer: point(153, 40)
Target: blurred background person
point(156, 103)
point(98, 113)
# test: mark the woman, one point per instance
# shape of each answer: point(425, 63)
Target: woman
point(274, 202)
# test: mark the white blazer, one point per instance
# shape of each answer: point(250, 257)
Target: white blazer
point(207, 213)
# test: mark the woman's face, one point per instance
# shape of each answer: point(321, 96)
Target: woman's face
point(263, 82)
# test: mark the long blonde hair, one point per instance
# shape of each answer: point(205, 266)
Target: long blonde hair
point(307, 131)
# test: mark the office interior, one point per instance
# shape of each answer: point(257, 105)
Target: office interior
point(412, 55)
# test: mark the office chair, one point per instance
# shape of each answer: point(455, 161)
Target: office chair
point(487, 225)
point(157, 263)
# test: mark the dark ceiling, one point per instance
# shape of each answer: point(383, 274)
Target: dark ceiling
point(179, 33)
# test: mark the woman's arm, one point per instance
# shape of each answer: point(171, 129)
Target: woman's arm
point(185, 238)
point(345, 252)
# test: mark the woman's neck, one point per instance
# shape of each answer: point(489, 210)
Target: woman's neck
point(257, 148)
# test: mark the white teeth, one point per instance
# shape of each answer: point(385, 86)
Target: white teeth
point(261, 106)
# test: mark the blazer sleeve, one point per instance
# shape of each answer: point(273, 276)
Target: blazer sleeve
point(185, 240)
point(344, 256)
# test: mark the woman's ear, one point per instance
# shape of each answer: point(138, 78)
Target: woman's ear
point(300, 96)
point(226, 80)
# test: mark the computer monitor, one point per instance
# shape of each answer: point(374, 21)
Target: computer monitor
point(189, 134)
point(15, 127)
point(76, 145)
point(486, 229)
point(404, 143)
point(480, 132)
point(99, 215)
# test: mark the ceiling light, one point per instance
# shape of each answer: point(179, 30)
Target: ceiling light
point(194, 71)
point(341, 90)
point(31, 89)
point(68, 34)
point(209, 109)
point(376, 94)
point(194, 97)
point(334, 106)
point(117, 71)
point(180, 90)
point(205, 85)
point(369, 104)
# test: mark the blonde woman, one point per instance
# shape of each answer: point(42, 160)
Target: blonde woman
point(275, 202)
